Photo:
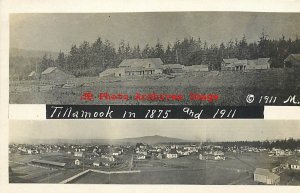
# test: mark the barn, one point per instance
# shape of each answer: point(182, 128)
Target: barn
point(197, 68)
point(49, 163)
point(258, 64)
point(117, 72)
point(265, 176)
point(293, 60)
point(55, 74)
point(141, 67)
point(174, 67)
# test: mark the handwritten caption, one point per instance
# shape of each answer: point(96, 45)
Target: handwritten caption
point(150, 112)
point(271, 100)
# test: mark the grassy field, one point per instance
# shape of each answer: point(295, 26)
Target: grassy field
point(187, 176)
point(236, 169)
point(232, 88)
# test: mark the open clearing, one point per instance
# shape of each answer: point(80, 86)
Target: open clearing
point(236, 169)
point(232, 88)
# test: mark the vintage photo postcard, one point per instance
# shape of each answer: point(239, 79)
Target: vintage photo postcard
point(155, 152)
point(162, 76)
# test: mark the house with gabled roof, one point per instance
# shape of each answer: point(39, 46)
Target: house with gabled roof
point(294, 164)
point(258, 64)
point(228, 64)
point(141, 67)
point(293, 60)
point(233, 64)
point(55, 74)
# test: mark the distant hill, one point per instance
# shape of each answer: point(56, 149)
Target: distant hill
point(155, 139)
point(151, 140)
point(17, 52)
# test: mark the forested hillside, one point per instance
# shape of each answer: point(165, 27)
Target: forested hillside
point(88, 59)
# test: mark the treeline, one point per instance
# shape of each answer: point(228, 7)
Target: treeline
point(290, 143)
point(88, 59)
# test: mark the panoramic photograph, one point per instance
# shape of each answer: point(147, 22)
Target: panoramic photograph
point(111, 58)
point(247, 152)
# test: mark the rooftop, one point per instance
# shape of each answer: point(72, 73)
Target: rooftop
point(142, 63)
point(265, 172)
point(49, 70)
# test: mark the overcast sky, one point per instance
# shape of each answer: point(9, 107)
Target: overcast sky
point(56, 32)
point(215, 130)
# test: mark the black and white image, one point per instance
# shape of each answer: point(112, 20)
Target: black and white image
point(241, 58)
point(256, 152)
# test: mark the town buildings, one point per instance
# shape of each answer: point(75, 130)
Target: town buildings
point(234, 64)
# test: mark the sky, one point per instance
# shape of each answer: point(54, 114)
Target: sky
point(213, 130)
point(58, 31)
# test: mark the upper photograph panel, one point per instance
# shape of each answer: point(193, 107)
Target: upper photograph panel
point(162, 58)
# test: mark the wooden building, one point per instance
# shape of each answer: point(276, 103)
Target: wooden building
point(55, 74)
point(265, 176)
point(141, 67)
point(293, 60)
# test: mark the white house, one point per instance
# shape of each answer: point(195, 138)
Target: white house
point(258, 64)
point(295, 165)
point(77, 162)
point(78, 154)
point(219, 157)
point(218, 153)
point(172, 154)
point(97, 164)
point(141, 67)
point(141, 157)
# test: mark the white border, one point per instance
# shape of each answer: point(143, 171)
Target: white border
point(49, 6)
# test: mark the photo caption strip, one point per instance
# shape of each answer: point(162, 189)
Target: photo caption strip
point(153, 112)
point(43, 112)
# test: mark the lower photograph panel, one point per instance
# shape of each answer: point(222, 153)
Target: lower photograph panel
point(228, 152)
